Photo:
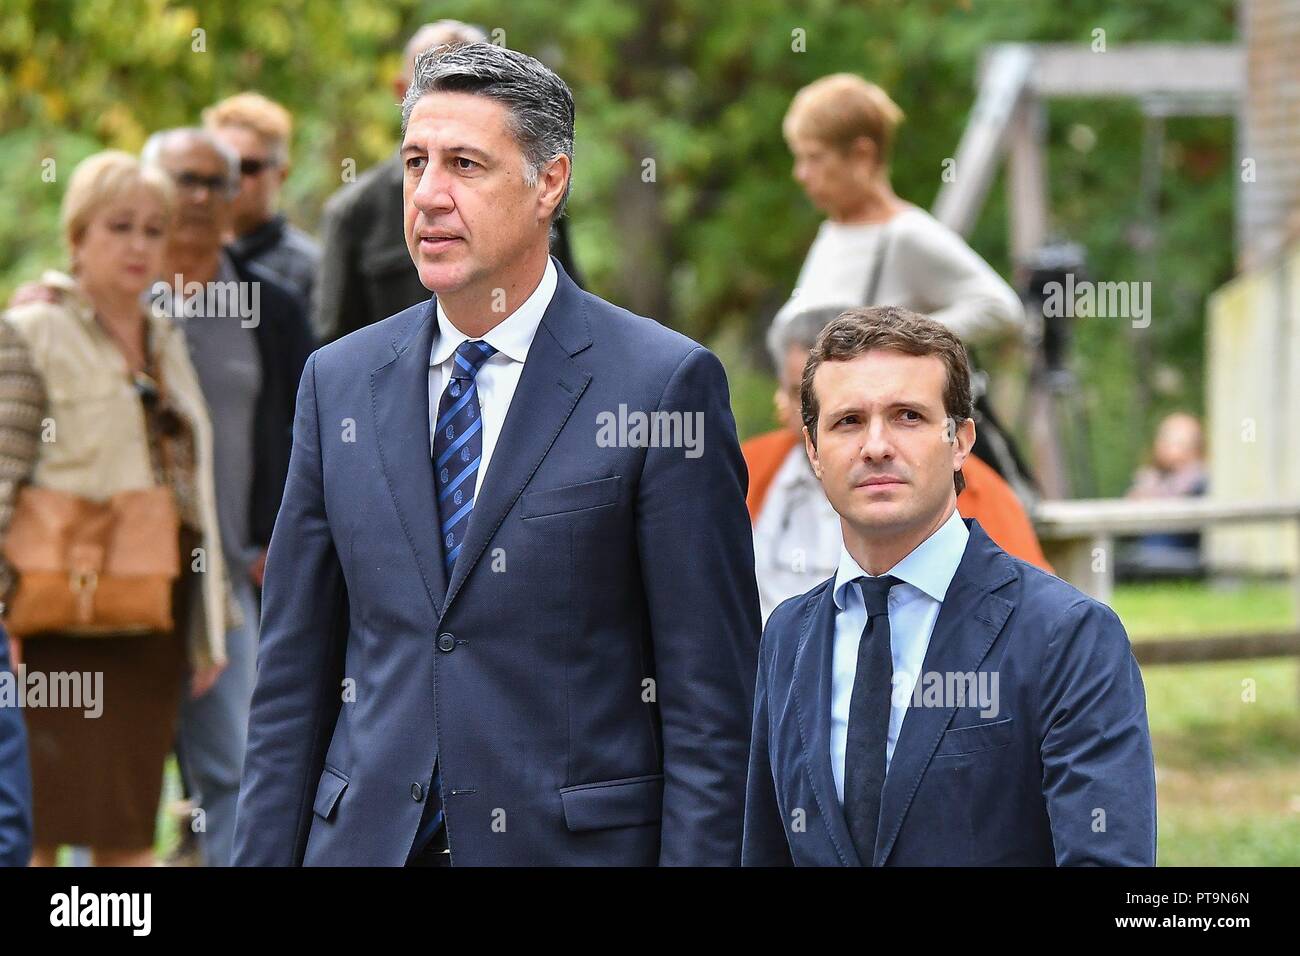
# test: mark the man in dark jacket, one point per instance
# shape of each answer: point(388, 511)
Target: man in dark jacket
point(260, 130)
point(550, 623)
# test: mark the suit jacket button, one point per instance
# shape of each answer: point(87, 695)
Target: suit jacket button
point(446, 642)
point(417, 793)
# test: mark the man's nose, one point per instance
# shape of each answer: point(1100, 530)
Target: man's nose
point(432, 193)
point(877, 443)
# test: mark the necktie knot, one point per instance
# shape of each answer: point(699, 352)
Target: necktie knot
point(470, 356)
point(875, 593)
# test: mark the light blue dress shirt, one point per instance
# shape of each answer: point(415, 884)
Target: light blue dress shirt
point(914, 606)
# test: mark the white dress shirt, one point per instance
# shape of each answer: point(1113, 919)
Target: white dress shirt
point(914, 606)
point(499, 376)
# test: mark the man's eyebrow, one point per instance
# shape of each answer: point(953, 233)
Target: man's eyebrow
point(841, 410)
point(855, 408)
point(467, 150)
point(412, 148)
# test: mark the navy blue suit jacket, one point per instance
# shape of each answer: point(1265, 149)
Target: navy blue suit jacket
point(585, 678)
point(15, 779)
point(1063, 774)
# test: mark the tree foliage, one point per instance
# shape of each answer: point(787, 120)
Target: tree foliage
point(683, 207)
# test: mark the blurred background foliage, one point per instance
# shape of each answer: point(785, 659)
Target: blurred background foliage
point(711, 245)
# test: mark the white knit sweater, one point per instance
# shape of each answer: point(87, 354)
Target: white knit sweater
point(927, 268)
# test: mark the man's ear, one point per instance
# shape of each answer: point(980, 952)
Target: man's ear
point(554, 178)
point(963, 440)
point(811, 451)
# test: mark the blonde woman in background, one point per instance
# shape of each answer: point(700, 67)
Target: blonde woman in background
point(124, 409)
point(875, 248)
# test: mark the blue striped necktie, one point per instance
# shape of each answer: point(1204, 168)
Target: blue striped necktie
point(457, 456)
point(458, 447)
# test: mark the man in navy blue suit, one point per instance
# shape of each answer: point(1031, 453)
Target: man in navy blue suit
point(15, 775)
point(936, 702)
point(510, 614)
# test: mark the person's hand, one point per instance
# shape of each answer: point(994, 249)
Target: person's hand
point(257, 570)
point(203, 678)
point(30, 292)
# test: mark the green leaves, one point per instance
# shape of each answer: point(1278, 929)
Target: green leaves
point(712, 242)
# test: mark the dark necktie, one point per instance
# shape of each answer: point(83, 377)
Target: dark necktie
point(457, 455)
point(864, 753)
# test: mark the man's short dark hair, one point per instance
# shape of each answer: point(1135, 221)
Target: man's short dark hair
point(540, 104)
point(858, 331)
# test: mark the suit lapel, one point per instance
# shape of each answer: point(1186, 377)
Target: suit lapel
point(399, 400)
point(812, 699)
point(971, 618)
point(549, 388)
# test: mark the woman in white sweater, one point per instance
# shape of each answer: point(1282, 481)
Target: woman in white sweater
point(877, 249)
point(840, 130)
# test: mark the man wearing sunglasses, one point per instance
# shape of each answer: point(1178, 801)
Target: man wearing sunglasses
point(258, 130)
point(249, 354)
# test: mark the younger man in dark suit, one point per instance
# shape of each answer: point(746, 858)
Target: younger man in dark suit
point(937, 701)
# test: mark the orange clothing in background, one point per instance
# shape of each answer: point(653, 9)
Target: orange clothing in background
point(987, 498)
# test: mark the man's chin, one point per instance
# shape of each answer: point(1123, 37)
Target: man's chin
point(884, 517)
point(441, 278)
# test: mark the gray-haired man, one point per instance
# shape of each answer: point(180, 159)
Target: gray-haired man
point(489, 634)
point(248, 338)
point(366, 274)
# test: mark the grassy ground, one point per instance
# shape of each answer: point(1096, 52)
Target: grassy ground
point(1226, 736)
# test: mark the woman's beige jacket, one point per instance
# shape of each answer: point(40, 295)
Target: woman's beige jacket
point(93, 440)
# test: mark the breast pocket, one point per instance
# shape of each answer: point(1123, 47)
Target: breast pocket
point(976, 738)
point(570, 498)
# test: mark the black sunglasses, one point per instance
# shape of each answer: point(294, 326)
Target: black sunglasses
point(189, 180)
point(252, 167)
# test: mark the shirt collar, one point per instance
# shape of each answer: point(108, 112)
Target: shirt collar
point(512, 336)
point(929, 567)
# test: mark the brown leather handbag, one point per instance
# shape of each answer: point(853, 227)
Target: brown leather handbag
point(92, 568)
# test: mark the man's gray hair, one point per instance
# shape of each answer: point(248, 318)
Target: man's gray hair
point(540, 104)
point(156, 144)
point(800, 331)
